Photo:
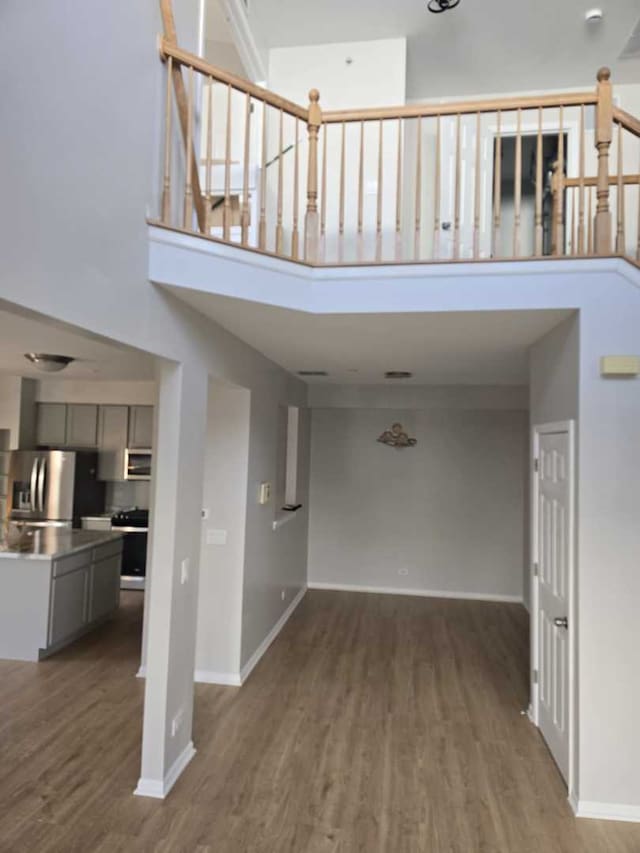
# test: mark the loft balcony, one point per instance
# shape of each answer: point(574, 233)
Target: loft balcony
point(507, 179)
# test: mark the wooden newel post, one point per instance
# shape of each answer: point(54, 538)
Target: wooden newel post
point(604, 134)
point(311, 220)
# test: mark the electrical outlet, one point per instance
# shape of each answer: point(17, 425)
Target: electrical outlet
point(403, 572)
point(265, 493)
point(176, 723)
point(184, 570)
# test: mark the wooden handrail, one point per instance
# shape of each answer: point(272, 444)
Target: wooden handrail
point(462, 108)
point(183, 57)
point(627, 121)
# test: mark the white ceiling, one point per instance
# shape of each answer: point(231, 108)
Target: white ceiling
point(482, 46)
point(465, 348)
point(97, 359)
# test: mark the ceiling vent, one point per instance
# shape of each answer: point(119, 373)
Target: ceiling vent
point(398, 374)
point(312, 373)
point(632, 47)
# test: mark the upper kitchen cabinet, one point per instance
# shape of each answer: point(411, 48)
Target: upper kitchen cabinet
point(51, 425)
point(82, 425)
point(140, 427)
point(113, 434)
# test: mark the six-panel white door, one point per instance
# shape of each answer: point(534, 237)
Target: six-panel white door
point(554, 550)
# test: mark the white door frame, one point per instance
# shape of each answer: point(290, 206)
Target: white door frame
point(534, 708)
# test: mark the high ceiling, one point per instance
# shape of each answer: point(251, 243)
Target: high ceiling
point(483, 46)
point(457, 348)
point(96, 358)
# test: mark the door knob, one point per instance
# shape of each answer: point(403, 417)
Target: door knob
point(561, 622)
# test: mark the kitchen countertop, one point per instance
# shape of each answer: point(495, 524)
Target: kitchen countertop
point(48, 543)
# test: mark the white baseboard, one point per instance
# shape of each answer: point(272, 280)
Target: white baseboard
point(208, 676)
point(604, 811)
point(273, 633)
point(424, 593)
point(142, 672)
point(159, 788)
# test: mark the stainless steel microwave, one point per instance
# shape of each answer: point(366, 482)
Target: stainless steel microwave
point(137, 464)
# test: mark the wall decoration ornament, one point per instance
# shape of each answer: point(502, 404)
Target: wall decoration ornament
point(397, 437)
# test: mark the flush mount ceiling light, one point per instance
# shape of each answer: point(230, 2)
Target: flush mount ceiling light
point(437, 6)
point(398, 374)
point(594, 16)
point(48, 362)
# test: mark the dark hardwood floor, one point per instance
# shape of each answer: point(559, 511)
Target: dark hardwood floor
point(375, 723)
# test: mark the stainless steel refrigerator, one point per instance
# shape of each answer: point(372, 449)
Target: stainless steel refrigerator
point(54, 487)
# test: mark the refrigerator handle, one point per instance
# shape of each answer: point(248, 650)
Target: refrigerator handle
point(34, 482)
point(41, 483)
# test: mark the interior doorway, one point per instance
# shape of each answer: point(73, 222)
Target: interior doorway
point(553, 585)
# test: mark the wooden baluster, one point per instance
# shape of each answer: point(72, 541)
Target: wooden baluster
point(323, 202)
point(571, 220)
point(279, 228)
point(379, 199)
point(166, 183)
point(539, 236)
point(295, 236)
point(580, 246)
point(311, 224)
point(437, 192)
point(604, 131)
point(556, 190)
point(590, 224)
point(226, 208)
point(517, 187)
point(245, 216)
point(187, 221)
point(262, 224)
point(620, 246)
point(638, 243)
point(457, 193)
point(476, 191)
point(399, 193)
point(341, 199)
point(208, 201)
point(497, 187)
point(558, 223)
point(575, 216)
point(361, 194)
point(418, 210)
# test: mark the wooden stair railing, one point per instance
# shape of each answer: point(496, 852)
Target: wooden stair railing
point(504, 178)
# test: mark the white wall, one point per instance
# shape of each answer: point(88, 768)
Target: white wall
point(85, 185)
point(449, 513)
point(102, 392)
point(222, 565)
point(17, 396)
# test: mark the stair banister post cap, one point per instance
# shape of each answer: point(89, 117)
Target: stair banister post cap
point(604, 74)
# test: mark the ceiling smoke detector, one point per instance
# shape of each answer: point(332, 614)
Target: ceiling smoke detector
point(48, 362)
point(398, 374)
point(594, 16)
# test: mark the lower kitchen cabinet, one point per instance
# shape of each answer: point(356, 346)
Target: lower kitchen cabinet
point(68, 604)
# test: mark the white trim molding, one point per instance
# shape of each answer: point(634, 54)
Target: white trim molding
point(236, 15)
point(605, 811)
point(246, 670)
point(424, 593)
point(159, 788)
point(208, 676)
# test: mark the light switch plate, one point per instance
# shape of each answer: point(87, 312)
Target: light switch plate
point(620, 365)
point(265, 493)
point(216, 537)
point(184, 570)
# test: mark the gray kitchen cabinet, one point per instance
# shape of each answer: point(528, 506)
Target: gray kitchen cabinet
point(51, 427)
point(82, 425)
point(105, 586)
point(69, 599)
point(113, 435)
point(140, 427)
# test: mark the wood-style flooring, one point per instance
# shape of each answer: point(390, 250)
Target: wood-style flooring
point(374, 723)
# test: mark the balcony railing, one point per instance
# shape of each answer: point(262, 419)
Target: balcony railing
point(507, 178)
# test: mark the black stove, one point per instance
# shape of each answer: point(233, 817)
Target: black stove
point(134, 523)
